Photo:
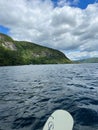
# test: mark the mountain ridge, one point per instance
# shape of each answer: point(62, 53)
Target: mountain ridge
point(23, 53)
point(88, 60)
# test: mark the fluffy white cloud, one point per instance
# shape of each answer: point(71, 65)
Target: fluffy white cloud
point(64, 27)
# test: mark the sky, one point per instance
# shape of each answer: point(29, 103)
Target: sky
point(70, 26)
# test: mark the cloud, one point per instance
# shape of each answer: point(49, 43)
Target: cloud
point(75, 1)
point(62, 27)
point(76, 55)
point(62, 3)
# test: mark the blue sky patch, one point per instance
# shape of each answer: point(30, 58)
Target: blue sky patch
point(80, 3)
point(4, 30)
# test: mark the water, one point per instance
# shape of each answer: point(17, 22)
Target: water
point(29, 94)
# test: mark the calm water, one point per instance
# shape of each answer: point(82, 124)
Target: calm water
point(29, 94)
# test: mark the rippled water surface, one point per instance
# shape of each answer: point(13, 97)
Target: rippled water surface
point(29, 94)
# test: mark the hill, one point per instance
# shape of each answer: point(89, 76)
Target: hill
point(22, 53)
point(88, 60)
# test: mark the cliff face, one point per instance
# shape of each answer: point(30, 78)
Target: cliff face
point(21, 52)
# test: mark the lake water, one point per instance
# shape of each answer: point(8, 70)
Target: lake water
point(29, 94)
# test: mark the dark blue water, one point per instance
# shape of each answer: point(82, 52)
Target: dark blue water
point(29, 94)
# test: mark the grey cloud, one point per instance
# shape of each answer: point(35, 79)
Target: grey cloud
point(63, 16)
point(76, 55)
point(90, 46)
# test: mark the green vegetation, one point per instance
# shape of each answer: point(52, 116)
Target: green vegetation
point(21, 53)
point(89, 60)
point(4, 37)
point(8, 57)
